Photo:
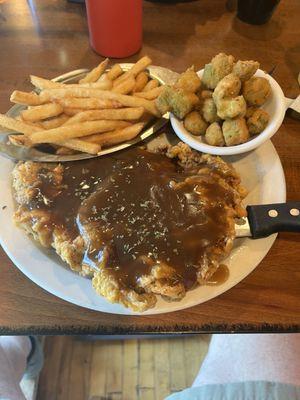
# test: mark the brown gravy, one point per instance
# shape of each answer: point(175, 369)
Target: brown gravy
point(136, 209)
point(220, 276)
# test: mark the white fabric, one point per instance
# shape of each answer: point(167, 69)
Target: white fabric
point(14, 351)
point(251, 357)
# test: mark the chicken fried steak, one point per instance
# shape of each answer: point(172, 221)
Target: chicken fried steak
point(140, 223)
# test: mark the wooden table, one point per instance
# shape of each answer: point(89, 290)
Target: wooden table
point(49, 37)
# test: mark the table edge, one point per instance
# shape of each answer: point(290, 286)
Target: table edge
point(176, 329)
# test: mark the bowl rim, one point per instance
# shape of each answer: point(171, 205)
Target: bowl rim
point(251, 144)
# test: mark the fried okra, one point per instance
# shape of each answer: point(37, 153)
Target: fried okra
point(245, 69)
point(220, 66)
point(195, 124)
point(231, 108)
point(206, 94)
point(229, 86)
point(256, 91)
point(189, 81)
point(179, 101)
point(235, 131)
point(250, 111)
point(257, 122)
point(163, 100)
point(214, 135)
point(209, 111)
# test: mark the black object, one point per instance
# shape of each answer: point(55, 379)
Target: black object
point(272, 218)
point(256, 12)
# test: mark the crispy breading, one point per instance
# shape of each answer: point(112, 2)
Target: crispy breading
point(214, 135)
point(258, 121)
point(220, 66)
point(162, 278)
point(256, 91)
point(209, 111)
point(189, 81)
point(179, 101)
point(245, 69)
point(195, 124)
point(235, 131)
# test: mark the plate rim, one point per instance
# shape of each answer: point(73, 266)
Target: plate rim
point(124, 311)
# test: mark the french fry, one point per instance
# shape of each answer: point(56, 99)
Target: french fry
point(138, 67)
point(42, 83)
point(123, 114)
point(88, 115)
point(54, 122)
point(81, 145)
point(17, 126)
point(102, 78)
point(150, 94)
point(116, 136)
point(70, 112)
point(42, 112)
point(63, 133)
point(95, 73)
point(88, 103)
point(20, 140)
point(140, 82)
point(114, 72)
point(34, 124)
point(28, 99)
point(63, 151)
point(126, 86)
point(128, 101)
point(105, 84)
point(153, 83)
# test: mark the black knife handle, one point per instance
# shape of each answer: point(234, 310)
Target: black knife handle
point(272, 218)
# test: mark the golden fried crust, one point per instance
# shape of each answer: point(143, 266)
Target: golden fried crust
point(37, 222)
point(107, 286)
point(245, 69)
point(26, 179)
point(220, 66)
point(231, 107)
point(209, 111)
point(214, 135)
point(256, 91)
point(195, 124)
point(177, 100)
point(235, 131)
point(161, 279)
point(189, 81)
point(229, 86)
point(258, 121)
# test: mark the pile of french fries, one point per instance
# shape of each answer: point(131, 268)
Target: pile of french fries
point(103, 109)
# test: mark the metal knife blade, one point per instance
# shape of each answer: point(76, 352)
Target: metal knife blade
point(242, 228)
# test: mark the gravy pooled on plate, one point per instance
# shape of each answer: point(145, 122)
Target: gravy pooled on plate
point(149, 224)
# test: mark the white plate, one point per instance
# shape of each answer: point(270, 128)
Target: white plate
point(276, 107)
point(261, 172)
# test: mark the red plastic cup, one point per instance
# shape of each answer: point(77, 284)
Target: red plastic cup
point(115, 26)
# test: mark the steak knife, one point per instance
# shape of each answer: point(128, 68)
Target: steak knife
point(263, 220)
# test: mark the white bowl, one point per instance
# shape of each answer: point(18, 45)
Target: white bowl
point(275, 106)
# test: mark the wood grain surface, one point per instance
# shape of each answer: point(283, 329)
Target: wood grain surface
point(50, 37)
point(148, 369)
